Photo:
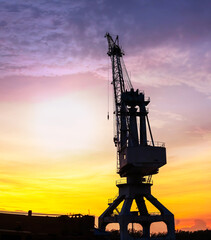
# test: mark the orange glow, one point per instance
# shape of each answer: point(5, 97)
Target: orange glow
point(57, 156)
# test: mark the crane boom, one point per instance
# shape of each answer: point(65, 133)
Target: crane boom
point(115, 53)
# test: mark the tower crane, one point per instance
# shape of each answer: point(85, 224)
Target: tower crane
point(138, 158)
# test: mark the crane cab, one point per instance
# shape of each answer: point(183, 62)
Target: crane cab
point(141, 160)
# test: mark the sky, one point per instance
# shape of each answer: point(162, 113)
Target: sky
point(56, 148)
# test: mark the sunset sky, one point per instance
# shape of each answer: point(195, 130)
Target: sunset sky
point(56, 149)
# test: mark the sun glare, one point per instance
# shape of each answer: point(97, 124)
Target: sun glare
point(64, 124)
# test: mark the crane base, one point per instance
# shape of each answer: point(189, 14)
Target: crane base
point(137, 191)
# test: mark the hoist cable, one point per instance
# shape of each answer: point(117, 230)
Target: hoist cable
point(108, 90)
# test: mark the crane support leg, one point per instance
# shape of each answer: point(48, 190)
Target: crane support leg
point(138, 192)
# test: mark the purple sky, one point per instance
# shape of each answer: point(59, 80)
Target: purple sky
point(40, 35)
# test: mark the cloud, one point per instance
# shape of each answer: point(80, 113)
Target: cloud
point(180, 110)
point(140, 23)
point(199, 224)
point(29, 88)
point(166, 43)
point(177, 221)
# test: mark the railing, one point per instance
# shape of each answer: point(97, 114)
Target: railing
point(147, 99)
point(155, 213)
point(156, 144)
point(29, 213)
point(111, 200)
point(33, 213)
point(121, 181)
point(146, 180)
point(118, 164)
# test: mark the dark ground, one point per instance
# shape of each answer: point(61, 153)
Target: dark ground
point(180, 235)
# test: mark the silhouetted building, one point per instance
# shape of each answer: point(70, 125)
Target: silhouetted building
point(23, 227)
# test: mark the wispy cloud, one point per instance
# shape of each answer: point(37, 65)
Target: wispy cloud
point(168, 40)
point(37, 88)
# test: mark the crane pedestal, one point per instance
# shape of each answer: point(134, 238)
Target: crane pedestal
point(133, 190)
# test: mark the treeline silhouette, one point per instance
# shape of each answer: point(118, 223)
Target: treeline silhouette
point(180, 235)
point(196, 235)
